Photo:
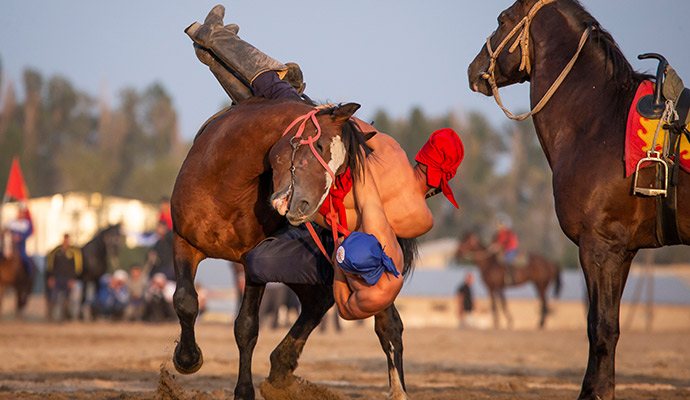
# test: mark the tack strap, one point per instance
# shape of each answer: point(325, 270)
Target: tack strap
point(333, 216)
point(522, 40)
point(311, 139)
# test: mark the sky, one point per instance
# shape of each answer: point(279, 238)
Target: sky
point(384, 54)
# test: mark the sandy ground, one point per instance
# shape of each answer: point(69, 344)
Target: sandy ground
point(133, 360)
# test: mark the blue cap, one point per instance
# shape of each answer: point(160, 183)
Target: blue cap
point(362, 254)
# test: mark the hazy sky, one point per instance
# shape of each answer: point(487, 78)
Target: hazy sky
point(390, 54)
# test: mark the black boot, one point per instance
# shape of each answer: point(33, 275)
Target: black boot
point(237, 90)
point(245, 60)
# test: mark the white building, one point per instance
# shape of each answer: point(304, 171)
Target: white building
point(81, 215)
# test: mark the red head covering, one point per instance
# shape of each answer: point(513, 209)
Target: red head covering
point(442, 155)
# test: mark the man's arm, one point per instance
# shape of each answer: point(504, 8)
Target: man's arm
point(355, 298)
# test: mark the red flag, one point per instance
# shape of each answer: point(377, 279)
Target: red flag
point(16, 188)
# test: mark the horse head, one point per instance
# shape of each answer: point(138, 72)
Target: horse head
point(307, 158)
point(469, 244)
point(112, 237)
point(505, 57)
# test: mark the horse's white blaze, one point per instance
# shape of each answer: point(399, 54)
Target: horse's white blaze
point(337, 159)
point(337, 154)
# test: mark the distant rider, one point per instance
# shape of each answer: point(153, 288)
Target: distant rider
point(22, 227)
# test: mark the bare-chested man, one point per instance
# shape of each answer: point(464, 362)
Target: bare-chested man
point(387, 202)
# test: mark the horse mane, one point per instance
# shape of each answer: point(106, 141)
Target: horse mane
point(356, 145)
point(98, 237)
point(410, 250)
point(622, 73)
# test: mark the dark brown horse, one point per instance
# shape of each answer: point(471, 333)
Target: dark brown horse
point(538, 270)
point(581, 130)
point(13, 274)
point(222, 207)
point(98, 254)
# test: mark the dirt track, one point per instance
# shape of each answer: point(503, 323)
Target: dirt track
point(124, 361)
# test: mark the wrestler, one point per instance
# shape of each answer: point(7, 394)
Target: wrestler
point(386, 200)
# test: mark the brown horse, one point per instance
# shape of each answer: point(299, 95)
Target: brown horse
point(222, 207)
point(538, 270)
point(581, 130)
point(13, 274)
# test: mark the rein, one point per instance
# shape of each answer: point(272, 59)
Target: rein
point(332, 216)
point(311, 115)
point(523, 27)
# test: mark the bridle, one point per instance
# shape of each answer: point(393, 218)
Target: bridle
point(522, 29)
point(479, 254)
point(296, 142)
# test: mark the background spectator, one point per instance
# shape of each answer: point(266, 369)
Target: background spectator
point(63, 266)
point(465, 299)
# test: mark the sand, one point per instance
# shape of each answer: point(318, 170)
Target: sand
point(133, 360)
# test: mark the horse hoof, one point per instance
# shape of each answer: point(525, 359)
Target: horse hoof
point(185, 366)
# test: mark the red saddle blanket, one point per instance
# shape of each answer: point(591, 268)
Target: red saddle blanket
point(639, 135)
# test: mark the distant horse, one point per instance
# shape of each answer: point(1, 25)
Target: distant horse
point(13, 273)
point(581, 129)
point(538, 270)
point(221, 208)
point(102, 249)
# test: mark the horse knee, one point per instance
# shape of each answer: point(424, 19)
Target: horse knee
point(186, 302)
point(603, 336)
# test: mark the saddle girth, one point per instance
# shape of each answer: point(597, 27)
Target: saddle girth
point(667, 229)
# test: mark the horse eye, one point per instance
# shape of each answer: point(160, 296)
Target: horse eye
point(319, 147)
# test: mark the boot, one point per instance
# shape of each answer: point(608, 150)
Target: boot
point(294, 77)
point(232, 86)
point(239, 56)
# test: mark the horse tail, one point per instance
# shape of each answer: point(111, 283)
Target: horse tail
point(410, 250)
point(557, 287)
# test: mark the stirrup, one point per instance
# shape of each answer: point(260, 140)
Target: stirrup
point(652, 156)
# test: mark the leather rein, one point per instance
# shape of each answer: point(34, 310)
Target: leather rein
point(296, 142)
point(522, 40)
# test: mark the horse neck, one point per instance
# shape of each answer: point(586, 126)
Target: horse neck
point(8, 247)
point(482, 258)
point(585, 111)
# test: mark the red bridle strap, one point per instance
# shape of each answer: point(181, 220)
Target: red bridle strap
point(333, 216)
point(311, 115)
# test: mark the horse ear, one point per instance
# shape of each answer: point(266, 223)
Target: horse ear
point(345, 111)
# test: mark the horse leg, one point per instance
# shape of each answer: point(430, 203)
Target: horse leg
point(246, 334)
point(316, 300)
point(606, 269)
point(389, 328)
point(541, 291)
point(187, 357)
point(494, 307)
point(504, 307)
point(2, 294)
point(22, 297)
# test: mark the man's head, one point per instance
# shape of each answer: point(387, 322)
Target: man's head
point(502, 222)
point(362, 254)
point(162, 228)
point(65, 240)
point(135, 271)
point(118, 278)
point(159, 280)
point(441, 155)
point(22, 210)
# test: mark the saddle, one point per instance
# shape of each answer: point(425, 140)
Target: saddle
point(670, 104)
